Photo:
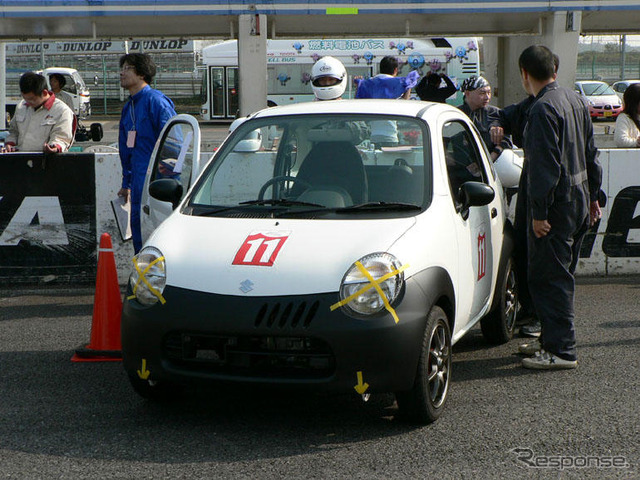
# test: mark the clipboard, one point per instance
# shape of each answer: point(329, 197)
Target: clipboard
point(122, 213)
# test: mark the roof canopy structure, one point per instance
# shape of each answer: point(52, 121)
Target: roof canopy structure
point(32, 19)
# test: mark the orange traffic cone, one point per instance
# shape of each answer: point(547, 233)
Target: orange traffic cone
point(105, 345)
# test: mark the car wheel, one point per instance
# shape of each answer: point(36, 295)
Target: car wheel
point(424, 403)
point(497, 326)
point(151, 390)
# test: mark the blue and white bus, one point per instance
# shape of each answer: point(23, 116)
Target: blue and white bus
point(289, 65)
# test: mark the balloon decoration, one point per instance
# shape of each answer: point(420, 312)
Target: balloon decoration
point(284, 78)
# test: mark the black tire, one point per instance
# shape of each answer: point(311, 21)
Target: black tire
point(156, 391)
point(498, 325)
point(424, 403)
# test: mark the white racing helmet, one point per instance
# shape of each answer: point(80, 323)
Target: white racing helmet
point(333, 68)
point(508, 167)
point(251, 142)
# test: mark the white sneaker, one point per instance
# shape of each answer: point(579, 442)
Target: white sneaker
point(530, 348)
point(548, 361)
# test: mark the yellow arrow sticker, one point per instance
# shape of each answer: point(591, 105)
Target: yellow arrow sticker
point(373, 283)
point(143, 373)
point(361, 387)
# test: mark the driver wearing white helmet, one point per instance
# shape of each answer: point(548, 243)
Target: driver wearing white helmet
point(328, 79)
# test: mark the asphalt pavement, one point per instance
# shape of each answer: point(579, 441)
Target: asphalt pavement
point(60, 419)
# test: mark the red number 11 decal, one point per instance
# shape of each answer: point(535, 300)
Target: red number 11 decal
point(259, 250)
point(482, 255)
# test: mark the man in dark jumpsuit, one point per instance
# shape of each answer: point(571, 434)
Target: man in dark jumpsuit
point(514, 122)
point(563, 180)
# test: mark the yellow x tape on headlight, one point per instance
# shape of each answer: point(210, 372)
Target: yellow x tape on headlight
point(373, 284)
point(141, 275)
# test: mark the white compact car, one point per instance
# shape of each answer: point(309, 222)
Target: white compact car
point(306, 255)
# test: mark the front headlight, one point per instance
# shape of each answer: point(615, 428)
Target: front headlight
point(148, 278)
point(359, 292)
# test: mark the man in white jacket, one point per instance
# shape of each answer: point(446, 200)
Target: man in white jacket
point(41, 123)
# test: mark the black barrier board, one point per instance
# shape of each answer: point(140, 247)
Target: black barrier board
point(47, 218)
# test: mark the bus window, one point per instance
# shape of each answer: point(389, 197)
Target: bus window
point(232, 91)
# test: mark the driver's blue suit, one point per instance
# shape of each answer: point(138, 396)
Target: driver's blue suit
point(146, 112)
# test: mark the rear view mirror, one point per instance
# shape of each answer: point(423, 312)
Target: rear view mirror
point(474, 194)
point(166, 190)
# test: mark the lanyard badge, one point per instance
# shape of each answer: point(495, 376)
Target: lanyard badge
point(131, 134)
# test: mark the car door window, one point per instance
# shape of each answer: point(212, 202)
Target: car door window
point(175, 158)
point(462, 156)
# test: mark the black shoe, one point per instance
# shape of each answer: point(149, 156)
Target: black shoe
point(533, 329)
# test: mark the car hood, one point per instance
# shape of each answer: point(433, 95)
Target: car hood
point(604, 99)
point(256, 257)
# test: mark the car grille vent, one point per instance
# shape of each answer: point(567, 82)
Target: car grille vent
point(291, 315)
point(247, 355)
point(247, 214)
point(266, 214)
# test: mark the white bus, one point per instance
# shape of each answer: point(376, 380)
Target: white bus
point(289, 65)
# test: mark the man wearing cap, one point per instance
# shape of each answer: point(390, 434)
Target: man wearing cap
point(477, 95)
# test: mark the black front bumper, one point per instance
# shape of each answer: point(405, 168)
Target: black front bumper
point(288, 340)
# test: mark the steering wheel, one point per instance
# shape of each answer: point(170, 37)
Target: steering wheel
point(279, 179)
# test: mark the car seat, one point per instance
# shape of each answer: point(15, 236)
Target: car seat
point(334, 166)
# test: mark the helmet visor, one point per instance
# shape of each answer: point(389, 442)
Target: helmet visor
point(326, 81)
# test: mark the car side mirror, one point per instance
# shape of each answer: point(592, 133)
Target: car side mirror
point(474, 194)
point(166, 190)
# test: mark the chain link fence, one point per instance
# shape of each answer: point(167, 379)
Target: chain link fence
point(178, 77)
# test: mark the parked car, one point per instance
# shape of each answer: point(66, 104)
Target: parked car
point(621, 86)
point(307, 256)
point(602, 100)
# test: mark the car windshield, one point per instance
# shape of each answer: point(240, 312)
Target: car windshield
point(318, 164)
point(592, 89)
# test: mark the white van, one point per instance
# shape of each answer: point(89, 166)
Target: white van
point(75, 87)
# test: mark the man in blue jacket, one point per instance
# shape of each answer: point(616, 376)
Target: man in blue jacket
point(387, 84)
point(143, 117)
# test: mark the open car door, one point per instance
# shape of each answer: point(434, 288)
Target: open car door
point(176, 156)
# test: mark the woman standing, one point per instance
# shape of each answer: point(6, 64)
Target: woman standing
point(628, 122)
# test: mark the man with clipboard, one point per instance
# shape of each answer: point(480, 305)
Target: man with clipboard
point(143, 117)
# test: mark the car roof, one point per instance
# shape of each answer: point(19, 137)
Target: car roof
point(66, 70)
point(585, 82)
point(411, 108)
